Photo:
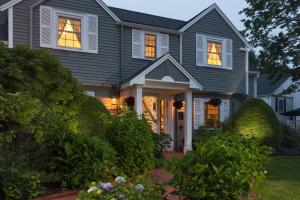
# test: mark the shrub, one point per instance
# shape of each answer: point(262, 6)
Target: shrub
point(225, 166)
point(131, 138)
point(91, 117)
point(122, 189)
point(75, 158)
point(19, 184)
point(257, 119)
point(291, 139)
point(161, 143)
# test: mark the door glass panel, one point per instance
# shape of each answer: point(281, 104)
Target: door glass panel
point(150, 111)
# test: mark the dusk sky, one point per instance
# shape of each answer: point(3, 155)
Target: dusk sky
point(182, 9)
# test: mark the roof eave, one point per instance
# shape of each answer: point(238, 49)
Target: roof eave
point(208, 10)
point(154, 28)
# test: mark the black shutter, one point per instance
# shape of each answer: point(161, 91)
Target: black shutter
point(276, 104)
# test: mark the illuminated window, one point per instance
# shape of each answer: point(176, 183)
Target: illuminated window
point(212, 115)
point(69, 32)
point(150, 46)
point(214, 53)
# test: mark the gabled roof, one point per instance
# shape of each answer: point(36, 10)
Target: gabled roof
point(140, 76)
point(147, 19)
point(266, 86)
point(8, 4)
point(208, 10)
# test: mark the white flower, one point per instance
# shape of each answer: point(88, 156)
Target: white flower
point(265, 172)
point(139, 188)
point(93, 189)
point(120, 180)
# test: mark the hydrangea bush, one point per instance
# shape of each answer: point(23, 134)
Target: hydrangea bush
point(121, 189)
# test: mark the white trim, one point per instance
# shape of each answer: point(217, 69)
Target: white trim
point(188, 133)
point(180, 49)
point(11, 27)
point(9, 4)
point(89, 93)
point(4, 42)
point(246, 50)
point(101, 3)
point(138, 97)
point(140, 79)
point(209, 9)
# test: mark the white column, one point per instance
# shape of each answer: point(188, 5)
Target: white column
point(188, 133)
point(138, 97)
point(10, 28)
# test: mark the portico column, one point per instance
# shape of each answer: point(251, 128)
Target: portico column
point(188, 133)
point(138, 97)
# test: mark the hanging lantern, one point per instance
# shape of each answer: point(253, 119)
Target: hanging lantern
point(215, 101)
point(129, 101)
point(178, 104)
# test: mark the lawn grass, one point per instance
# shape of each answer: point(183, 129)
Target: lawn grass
point(283, 179)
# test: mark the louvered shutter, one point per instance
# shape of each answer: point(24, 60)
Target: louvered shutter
point(163, 44)
point(138, 44)
point(92, 33)
point(46, 27)
point(225, 110)
point(201, 46)
point(276, 104)
point(198, 112)
point(227, 54)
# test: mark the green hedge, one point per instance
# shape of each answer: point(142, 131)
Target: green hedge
point(224, 166)
point(256, 119)
point(92, 116)
point(131, 138)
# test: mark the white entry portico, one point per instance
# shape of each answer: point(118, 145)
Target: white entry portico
point(154, 89)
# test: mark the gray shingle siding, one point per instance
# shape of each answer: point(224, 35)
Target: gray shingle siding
point(218, 80)
point(131, 65)
point(251, 85)
point(103, 67)
point(3, 26)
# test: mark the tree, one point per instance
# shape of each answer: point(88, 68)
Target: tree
point(274, 28)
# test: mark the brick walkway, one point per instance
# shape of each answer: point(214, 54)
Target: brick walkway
point(162, 176)
point(158, 174)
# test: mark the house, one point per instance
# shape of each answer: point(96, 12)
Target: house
point(151, 62)
point(271, 92)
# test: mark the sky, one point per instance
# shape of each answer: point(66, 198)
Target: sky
point(182, 9)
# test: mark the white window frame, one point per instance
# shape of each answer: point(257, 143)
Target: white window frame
point(157, 47)
point(59, 13)
point(89, 93)
point(278, 105)
point(217, 40)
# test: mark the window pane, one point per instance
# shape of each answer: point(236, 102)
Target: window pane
point(69, 32)
point(212, 115)
point(214, 53)
point(150, 46)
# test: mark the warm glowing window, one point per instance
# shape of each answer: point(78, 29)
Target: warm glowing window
point(150, 46)
point(214, 53)
point(69, 32)
point(212, 115)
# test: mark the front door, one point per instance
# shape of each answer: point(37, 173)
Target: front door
point(157, 109)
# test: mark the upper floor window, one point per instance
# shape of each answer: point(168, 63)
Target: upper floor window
point(150, 46)
point(214, 53)
point(69, 32)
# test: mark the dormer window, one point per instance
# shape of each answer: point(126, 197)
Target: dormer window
point(214, 53)
point(150, 46)
point(69, 32)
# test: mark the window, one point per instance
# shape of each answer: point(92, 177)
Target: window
point(212, 115)
point(150, 46)
point(280, 105)
point(69, 32)
point(214, 53)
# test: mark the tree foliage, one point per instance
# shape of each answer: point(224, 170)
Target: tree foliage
point(274, 27)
